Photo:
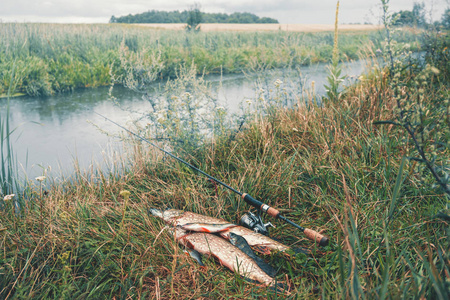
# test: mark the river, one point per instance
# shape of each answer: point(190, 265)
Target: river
point(57, 133)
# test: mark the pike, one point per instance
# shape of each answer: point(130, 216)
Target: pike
point(227, 254)
point(178, 218)
point(260, 206)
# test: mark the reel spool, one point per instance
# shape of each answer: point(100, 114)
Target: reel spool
point(255, 223)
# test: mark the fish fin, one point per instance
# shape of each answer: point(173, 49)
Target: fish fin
point(156, 212)
point(204, 229)
point(196, 256)
point(261, 249)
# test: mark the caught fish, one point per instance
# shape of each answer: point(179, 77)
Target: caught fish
point(260, 242)
point(242, 244)
point(227, 254)
point(209, 228)
point(178, 217)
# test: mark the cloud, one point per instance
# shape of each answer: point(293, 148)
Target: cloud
point(286, 11)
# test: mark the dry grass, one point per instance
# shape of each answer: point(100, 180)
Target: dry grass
point(267, 27)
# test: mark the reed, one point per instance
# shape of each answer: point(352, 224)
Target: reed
point(9, 181)
point(327, 164)
point(328, 167)
point(52, 58)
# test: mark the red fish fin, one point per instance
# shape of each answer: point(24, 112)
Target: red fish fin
point(261, 249)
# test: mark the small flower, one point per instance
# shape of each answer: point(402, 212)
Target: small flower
point(125, 194)
point(435, 70)
point(187, 95)
point(65, 255)
point(8, 197)
point(220, 108)
point(278, 82)
point(40, 178)
point(249, 102)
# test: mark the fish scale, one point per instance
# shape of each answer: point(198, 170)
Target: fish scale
point(178, 218)
point(227, 254)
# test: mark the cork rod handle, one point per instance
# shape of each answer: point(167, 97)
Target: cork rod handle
point(315, 236)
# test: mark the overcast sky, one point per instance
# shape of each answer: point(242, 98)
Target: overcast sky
point(285, 11)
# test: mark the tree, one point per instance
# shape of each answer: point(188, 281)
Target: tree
point(194, 18)
point(419, 14)
point(416, 17)
point(446, 19)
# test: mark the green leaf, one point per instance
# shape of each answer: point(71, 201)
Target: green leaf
point(385, 122)
point(398, 184)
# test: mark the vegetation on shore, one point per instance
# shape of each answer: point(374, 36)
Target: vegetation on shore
point(51, 58)
point(329, 167)
point(155, 16)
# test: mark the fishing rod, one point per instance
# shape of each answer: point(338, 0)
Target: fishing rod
point(260, 206)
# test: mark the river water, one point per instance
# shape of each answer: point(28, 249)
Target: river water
point(57, 133)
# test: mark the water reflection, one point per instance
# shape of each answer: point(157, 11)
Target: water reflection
point(54, 131)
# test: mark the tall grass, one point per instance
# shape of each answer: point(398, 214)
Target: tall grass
point(53, 58)
point(9, 168)
point(326, 167)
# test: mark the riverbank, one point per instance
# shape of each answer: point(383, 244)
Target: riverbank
point(268, 27)
point(61, 120)
point(329, 168)
point(45, 59)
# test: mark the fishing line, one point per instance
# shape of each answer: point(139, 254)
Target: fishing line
point(260, 206)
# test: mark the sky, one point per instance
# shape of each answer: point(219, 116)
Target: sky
point(285, 11)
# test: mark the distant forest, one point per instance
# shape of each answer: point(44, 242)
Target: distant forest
point(155, 16)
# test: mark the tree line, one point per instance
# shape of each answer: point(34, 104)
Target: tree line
point(416, 17)
point(155, 16)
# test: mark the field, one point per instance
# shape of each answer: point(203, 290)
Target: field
point(52, 58)
point(367, 165)
point(267, 27)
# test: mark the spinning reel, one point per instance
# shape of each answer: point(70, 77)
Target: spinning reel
point(255, 223)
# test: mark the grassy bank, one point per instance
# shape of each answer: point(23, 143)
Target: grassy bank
point(52, 58)
point(329, 168)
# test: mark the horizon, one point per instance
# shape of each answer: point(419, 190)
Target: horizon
point(285, 11)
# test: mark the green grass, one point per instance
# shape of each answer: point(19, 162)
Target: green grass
point(52, 58)
point(327, 168)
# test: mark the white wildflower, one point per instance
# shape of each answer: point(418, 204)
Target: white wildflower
point(278, 82)
point(249, 102)
point(435, 70)
point(8, 197)
point(40, 178)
